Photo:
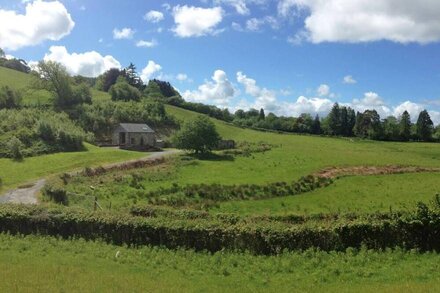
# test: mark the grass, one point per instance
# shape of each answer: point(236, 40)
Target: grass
point(291, 157)
point(14, 173)
point(356, 194)
point(47, 264)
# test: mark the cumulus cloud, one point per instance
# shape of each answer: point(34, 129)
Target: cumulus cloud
point(255, 24)
point(125, 33)
point(181, 77)
point(311, 106)
point(154, 16)
point(150, 70)
point(413, 109)
point(41, 21)
point(401, 21)
point(219, 91)
point(348, 79)
point(89, 64)
point(196, 21)
point(264, 98)
point(323, 90)
point(372, 101)
point(147, 44)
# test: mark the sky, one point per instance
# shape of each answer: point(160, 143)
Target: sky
point(288, 56)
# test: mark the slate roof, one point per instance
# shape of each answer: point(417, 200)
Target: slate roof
point(136, 128)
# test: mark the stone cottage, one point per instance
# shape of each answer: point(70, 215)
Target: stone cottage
point(132, 136)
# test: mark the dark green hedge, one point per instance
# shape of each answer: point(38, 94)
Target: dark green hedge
point(419, 230)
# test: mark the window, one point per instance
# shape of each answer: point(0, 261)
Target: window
point(133, 141)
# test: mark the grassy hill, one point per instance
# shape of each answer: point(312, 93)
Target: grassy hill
point(15, 173)
point(96, 266)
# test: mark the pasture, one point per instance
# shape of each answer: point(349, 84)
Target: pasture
point(96, 266)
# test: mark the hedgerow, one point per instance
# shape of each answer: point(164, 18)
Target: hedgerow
point(410, 230)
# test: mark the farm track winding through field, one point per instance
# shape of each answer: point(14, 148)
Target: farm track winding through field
point(335, 172)
point(28, 193)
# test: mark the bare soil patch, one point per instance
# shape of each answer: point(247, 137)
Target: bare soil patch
point(335, 172)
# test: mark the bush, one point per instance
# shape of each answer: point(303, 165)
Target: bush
point(38, 132)
point(15, 147)
point(9, 98)
point(122, 91)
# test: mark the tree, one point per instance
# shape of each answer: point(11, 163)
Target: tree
point(261, 116)
point(425, 126)
point(368, 125)
point(9, 99)
point(391, 128)
point(405, 126)
point(132, 76)
point(316, 125)
point(107, 79)
point(2, 53)
point(53, 77)
point(334, 120)
point(122, 91)
point(197, 135)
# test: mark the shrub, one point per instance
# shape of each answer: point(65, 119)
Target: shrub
point(122, 91)
point(15, 147)
point(9, 98)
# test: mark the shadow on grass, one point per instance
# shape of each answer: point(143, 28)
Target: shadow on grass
point(212, 157)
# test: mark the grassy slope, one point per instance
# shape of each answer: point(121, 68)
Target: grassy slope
point(358, 194)
point(15, 173)
point(299, 155)
point(89, 267)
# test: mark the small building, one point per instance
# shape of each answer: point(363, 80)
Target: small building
point(132, 136)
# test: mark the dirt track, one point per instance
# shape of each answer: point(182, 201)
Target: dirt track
point(335, 172)
point(28, 195)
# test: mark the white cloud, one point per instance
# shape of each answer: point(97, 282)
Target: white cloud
point(401, 21)
point(154, 16)
point(125, 33)
point(41, 21)
point(372, 101)
point(147, 44)
point(311, 106)
point(348, 79)
point(255, 24)
point(182, 77)
point(413, 109)
point(264, 98)
point(323, 90)
point(239, 5)
point(89, 64)
point(219, 91)
point(150, 70)
point(196, 21)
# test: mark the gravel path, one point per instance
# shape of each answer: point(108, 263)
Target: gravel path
point(28, 195)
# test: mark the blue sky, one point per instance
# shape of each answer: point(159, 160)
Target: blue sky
point(288, 56)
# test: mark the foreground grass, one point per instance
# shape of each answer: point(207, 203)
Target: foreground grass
point(44, 264)
point(14, 173)
point(356, 194)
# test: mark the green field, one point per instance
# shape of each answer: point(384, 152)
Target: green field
point(15, 173)
point(359, 194)
point(77, 265)
point(47, 264)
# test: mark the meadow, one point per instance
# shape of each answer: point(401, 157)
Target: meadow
point(77, 265)
point(290, 158)
point(86, 266)
point(15, 173)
